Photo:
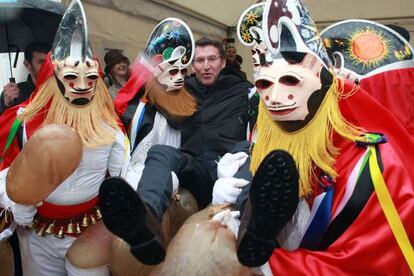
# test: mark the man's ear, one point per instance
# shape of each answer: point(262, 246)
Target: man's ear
point(223, 63)
point(28, 65)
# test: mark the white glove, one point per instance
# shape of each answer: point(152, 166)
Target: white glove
point(175, 182)
point(230, 163)
point(230, 219)
point(23, 214)
point(226, 190)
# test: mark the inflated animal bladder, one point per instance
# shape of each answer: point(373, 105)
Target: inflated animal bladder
point(50, 156)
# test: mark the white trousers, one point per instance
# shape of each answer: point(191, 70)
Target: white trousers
point(46, 256)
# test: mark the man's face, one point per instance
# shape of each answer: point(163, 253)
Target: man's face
point(231, 54)
point(207, 64)
point(172, 77)
point(78, 80)
point(35, 64)
point(289, 89)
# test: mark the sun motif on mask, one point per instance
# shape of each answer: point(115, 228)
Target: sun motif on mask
point(368, 47)
point(252, 17)
point(246, 36)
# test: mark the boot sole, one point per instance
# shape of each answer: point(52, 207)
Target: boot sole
point(274, 196)
point(124, 213)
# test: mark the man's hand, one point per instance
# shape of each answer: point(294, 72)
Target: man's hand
point(226, 190)
point(11, 92)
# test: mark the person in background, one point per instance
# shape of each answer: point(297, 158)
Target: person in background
point(15, 93)
point(116, 71)
point(231, 53)
point(233, 63)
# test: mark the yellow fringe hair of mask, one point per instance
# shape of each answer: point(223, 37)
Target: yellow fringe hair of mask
point(311, 145)
point(96, 123)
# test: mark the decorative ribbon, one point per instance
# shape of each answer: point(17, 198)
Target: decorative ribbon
point(136, 123)
point(390, 211)
point(12, 133)
point(322, 218)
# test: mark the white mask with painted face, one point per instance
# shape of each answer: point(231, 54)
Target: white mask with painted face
point(286, 88)
point(172, 77)
point(78, 79)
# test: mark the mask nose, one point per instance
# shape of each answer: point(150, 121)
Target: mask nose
point(276, 95)
point(83, 83)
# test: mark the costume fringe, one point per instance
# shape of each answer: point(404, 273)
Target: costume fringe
point(96, 122)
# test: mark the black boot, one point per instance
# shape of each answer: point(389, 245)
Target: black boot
point(126, 215)
point(273, 199)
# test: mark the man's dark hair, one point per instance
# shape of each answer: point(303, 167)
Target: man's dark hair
point(209, 41)
point(35, 46)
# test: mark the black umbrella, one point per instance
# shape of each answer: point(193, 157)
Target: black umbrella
point(23, 21)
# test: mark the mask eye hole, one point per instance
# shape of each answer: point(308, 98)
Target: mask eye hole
point(289, 80)
point(184, 71)
point(93, 77)
point(174, 72)
point(263, 84)
point(70, 77)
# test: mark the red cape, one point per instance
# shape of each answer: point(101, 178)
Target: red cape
point(139, 76)
point(368, 246)
point(9, 115)
point(395, 91)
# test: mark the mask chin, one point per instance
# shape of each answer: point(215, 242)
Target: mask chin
point(314, 102)
point(81, 101)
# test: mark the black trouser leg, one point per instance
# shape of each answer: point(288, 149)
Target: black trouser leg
point(198, 177)
point(155, 186)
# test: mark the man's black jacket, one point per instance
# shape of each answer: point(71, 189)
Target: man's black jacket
point(221, 117)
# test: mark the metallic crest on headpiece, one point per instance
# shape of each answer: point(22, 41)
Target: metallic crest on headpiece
point(366, 48)
point(71, 39)
point(287, 27)
point(249, 27)
point(170, 40)
point(75, 69)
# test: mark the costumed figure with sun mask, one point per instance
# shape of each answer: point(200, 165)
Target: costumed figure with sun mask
point(152, 106)
point(379, 59)
point(320, 162)
point(332, 168)
point(59, 147)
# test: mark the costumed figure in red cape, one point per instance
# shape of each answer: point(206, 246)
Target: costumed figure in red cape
point(152, 106)
point(332, 187)
point(318, 139)
point(59, 147)
point(379, 58)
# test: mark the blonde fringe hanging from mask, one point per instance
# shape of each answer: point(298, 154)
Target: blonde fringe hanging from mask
point(95, 122)
point(309, 146)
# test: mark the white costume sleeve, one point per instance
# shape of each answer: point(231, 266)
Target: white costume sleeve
point(120, 155)
point(4, 199)
point(161, 134)
point(5, 203)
